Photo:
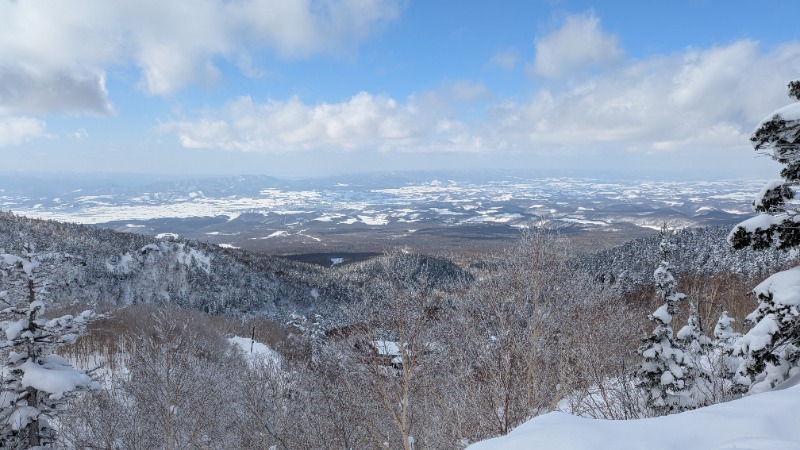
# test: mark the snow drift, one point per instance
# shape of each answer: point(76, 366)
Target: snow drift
point(765, 421)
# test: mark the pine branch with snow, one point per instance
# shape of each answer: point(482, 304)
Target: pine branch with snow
point(35, 381)
point(692, 336)
point(770, 351)
point(778, 137)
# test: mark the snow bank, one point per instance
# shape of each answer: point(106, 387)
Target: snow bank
point(386, 348)
point(260, 352)
point(759, 422)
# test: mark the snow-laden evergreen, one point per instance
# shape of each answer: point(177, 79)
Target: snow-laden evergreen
point(697, 351)
point(724, 334)
point(696, 250)
point(771, 349)
point(725, 338)
point(666, 374)
point(34, 379)
point(692, 336)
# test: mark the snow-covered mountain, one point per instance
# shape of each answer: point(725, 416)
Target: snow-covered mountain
point(112, 268)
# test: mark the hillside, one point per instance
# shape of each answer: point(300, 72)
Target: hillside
point(128, 268)
point(108, 267)
point(698, 250)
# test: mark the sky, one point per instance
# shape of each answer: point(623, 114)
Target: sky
point(317, 87)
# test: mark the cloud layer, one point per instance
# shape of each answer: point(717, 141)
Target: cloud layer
point(583, 95)
point(27, 91)
point(54, 53)
point(171, 43)
point(698, 100)
point(364, 122)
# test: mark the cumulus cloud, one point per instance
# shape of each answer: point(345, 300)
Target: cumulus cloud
point(25, 91)
point(698, 101)
point(364, 122)
point(16, 130)
point(579, 44)
point(172, 43)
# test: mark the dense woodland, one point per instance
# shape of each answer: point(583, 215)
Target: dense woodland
point(404, 349)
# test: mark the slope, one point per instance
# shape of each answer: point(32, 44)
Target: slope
point(765, 421)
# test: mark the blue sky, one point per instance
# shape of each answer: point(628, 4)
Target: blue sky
point(293, 88)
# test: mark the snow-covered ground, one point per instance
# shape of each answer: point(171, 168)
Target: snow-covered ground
point(767, 421)
point(256, 351)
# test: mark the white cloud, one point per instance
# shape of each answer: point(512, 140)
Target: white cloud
point(25, 91)
point(578, 45)
point(364, 122)
point(172, 43)
point(79, 134)
point(700, 102)
point(16, 130)
point(505, 60)
point(674, 102)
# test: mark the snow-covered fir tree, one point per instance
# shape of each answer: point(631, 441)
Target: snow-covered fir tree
point(696, 347)
point(725, 338)
point(666, 372)
point(771, 349)
point(310, 331)
point(692, 336)
point(724, 334)
point(34, 379)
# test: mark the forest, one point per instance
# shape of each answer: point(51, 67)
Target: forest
point(193, 346)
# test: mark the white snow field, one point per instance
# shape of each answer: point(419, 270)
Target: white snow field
point(766, 421)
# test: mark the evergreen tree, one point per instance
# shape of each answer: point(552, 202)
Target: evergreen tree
point(724, 335)
point(310, 331)
point(771, 349)
point(666, 369)
point(696, 346)
point(692, 336)
point(35, 381)
point(724, 340)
